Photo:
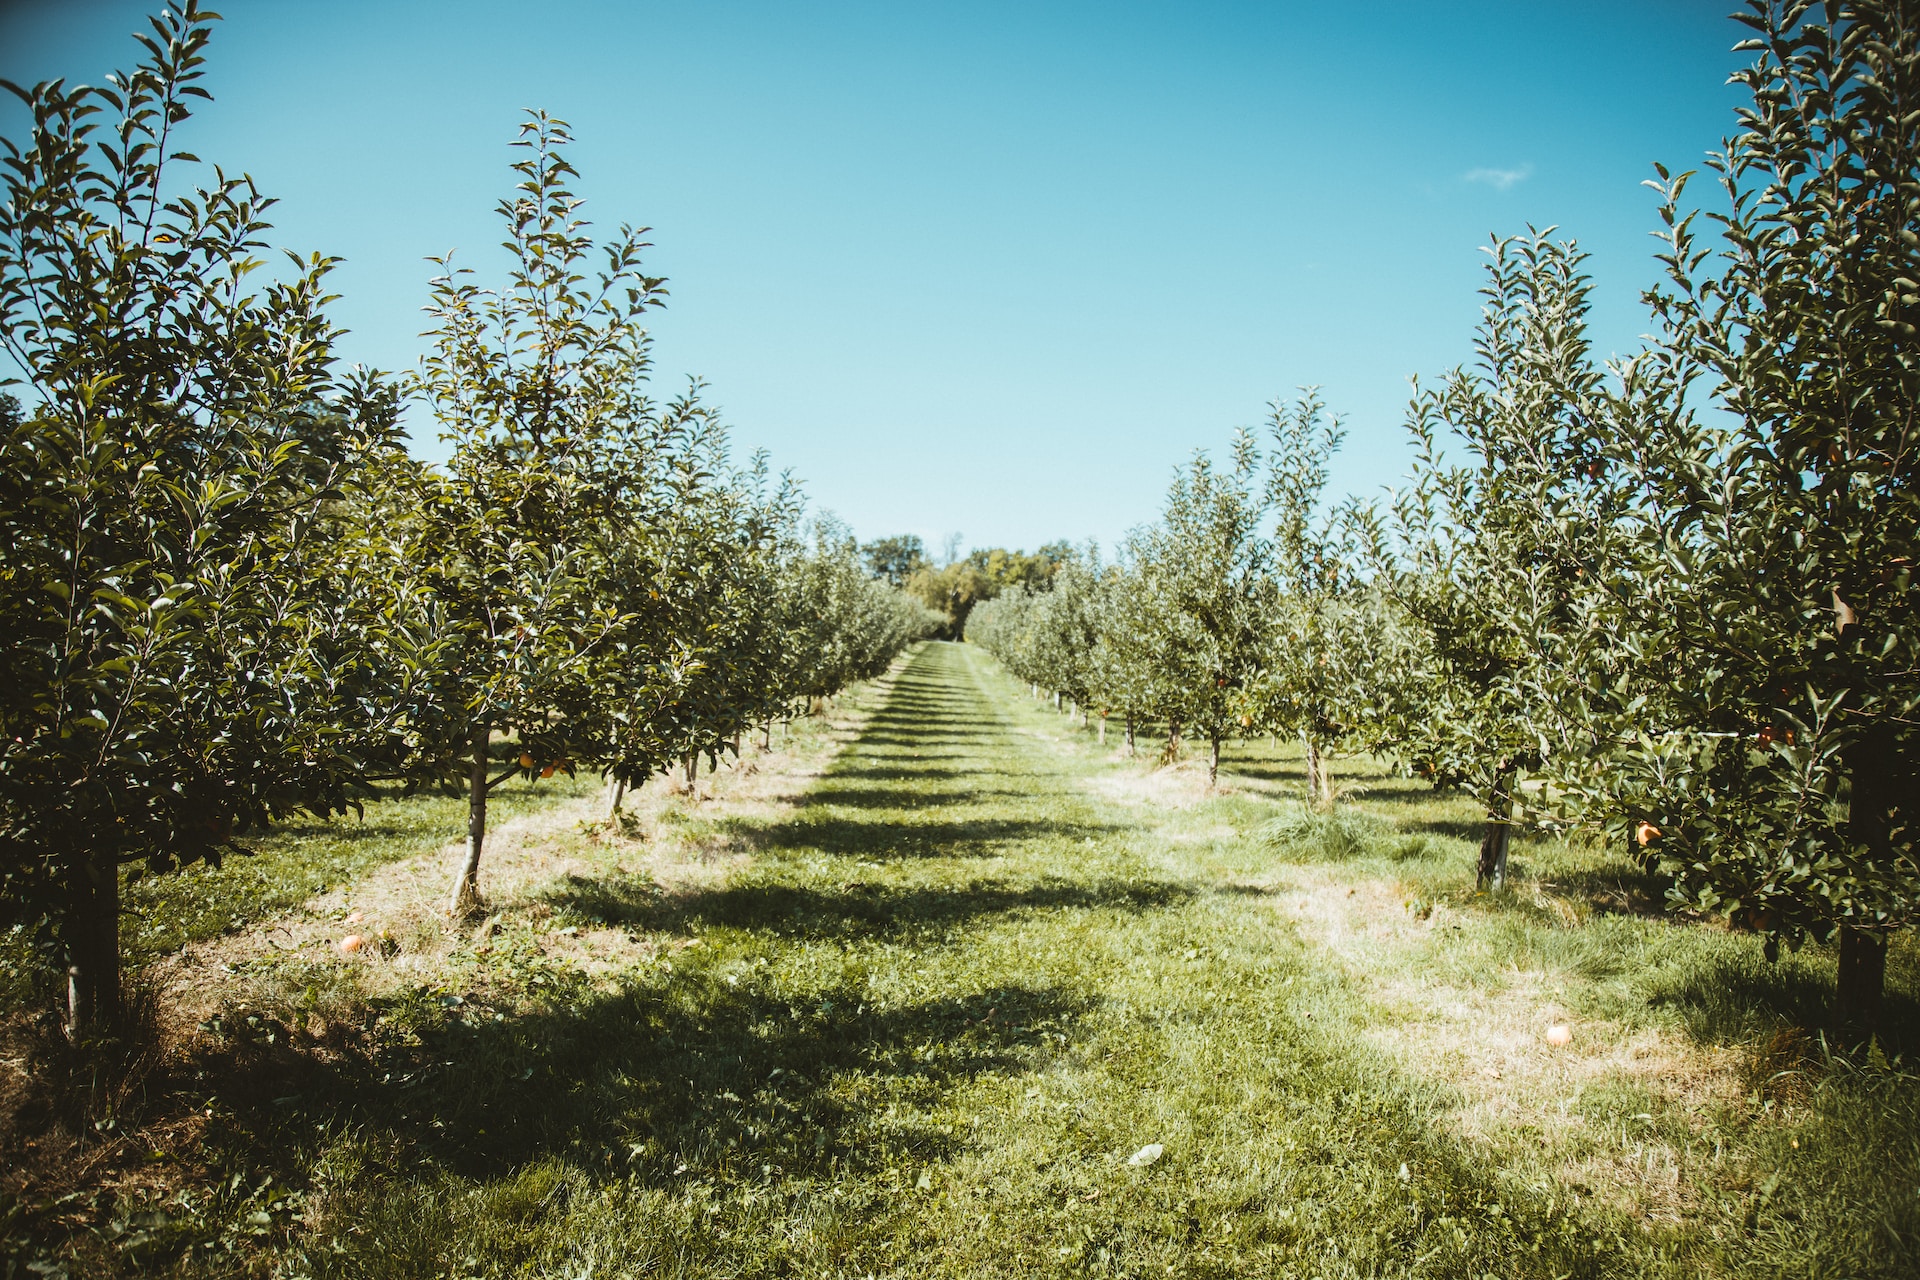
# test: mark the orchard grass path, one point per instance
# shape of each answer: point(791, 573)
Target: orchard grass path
point(919, 1021)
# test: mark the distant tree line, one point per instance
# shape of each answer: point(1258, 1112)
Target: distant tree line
point(954, 588)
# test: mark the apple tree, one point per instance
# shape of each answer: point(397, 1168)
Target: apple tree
point(179, 667)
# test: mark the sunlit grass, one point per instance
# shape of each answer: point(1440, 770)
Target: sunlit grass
point(278, 870)
point(925, 1028)
point(307, 856)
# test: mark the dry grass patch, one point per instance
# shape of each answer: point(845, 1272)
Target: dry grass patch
point(675, 838)
point(1486, 1041)
point(1180, 785)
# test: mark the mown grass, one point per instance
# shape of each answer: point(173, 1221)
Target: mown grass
point(924, 1029)
point(278, 870)
point(307, 856)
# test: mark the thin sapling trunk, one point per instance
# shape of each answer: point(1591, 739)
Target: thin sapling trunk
point(1497, 835)
point(1319, 777)
point(1860, 983)
point(93, 946)
point(466, 888)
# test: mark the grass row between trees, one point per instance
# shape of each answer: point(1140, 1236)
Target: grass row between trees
point(929, 1012)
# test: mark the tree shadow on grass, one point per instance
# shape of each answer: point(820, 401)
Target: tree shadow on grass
point(351, 830)
point(1468, 829)
point(967, 745)
point(901, 768)
point(906, 801)
point(908, 838)
point(698, 1077)
point(1739, 997)
point(1407, 793)
point(1264, 772)
point(862, 909)
point(906, 772)
point(1617, 889)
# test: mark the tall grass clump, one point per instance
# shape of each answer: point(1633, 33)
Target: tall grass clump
point(1301, 835)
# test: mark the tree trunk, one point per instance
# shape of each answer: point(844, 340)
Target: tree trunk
point(1131, 750)
point(466, 889)
point(693, 768)
point(1497, 835)
point(617, 793)
point(1103, 728)
point(1861, 981)
point(93, 947)
point(1319, 778)
point(1213, 759)
point(766, 735)
point(1173, 740)
point(1056, 700)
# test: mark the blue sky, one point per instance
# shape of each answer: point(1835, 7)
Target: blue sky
point(972, 268)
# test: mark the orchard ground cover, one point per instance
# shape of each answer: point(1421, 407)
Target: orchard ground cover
point(908, 998)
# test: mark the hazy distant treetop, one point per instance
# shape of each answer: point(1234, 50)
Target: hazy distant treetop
point(895, 558)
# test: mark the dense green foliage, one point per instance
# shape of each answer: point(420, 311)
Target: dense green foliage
point(1669, 597)
point(181, 663)
point(955, 587)
point(228, 594)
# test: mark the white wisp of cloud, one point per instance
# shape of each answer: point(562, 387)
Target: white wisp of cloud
point(1498, 179)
